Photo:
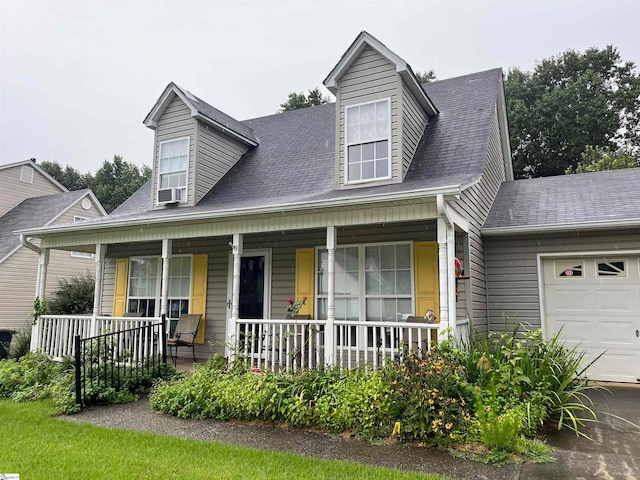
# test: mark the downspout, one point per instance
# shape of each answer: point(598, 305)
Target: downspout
point(28, 244)
point(451, 280)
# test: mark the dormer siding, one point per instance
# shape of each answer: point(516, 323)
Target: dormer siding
point(216, 154)
point(414, 121)
point(176, 122)
point(370, 77)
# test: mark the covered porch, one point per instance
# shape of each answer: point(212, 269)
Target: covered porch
point(368, 275)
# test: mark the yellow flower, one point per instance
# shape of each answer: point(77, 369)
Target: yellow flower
point(448, 426)
point(430, 401)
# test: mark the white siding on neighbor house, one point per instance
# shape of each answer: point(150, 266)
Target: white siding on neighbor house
point(474, 204)
point(414, 121)
point(176, 122)
point(512, 270)
point(18, 274)
point(216, 153)
point(370, 77)
point(13, 191)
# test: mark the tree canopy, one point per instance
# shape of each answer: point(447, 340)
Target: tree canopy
point(300, 100)
point(567, 103)
point(599, 159)
point(113, 183)
point(426, 76)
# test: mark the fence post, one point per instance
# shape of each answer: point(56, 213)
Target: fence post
point(76, 342)
point(93, 328)
point(163, 339)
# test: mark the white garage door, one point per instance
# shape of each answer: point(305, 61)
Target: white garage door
point(596, 303)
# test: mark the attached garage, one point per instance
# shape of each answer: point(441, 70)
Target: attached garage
point(563, 253)
point(594, 302)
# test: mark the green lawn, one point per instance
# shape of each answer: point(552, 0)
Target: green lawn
point(39, 446)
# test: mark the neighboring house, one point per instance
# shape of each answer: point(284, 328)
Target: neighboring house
point(30, 198)
point(362, 206)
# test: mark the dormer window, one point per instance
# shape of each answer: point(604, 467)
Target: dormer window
point(173, 168)
point(368, 142)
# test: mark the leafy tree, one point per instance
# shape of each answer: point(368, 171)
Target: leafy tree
point(74, 296)
point(599, 159)
point(113, 183)
point(426, 76)
point(117, 180)
point(568, 102)
point(300, 100)
point(68, 176)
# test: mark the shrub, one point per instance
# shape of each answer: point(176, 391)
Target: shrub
point(431, 397)
point(30, 377)
point(74, 296)
point(21, 343)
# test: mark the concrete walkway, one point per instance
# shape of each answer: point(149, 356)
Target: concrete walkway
point(614, 453)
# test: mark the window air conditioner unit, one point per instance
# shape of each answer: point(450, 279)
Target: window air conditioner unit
point(169, 195)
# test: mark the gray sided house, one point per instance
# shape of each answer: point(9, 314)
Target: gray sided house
point(30, 198)
point(361, 206)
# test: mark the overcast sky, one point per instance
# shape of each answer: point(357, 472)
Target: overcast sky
point(78, 77)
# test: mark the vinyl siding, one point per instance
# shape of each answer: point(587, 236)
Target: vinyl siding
point(18, 274)
point(176, 122)
point(216, 154)
point(414, 121)
point(512, 271)
point(371, 77)
point(283, 248)
point(13, 191)
point(474, 204)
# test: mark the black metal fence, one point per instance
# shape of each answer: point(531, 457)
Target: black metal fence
point(121, 360)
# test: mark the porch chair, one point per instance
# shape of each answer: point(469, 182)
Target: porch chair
point(428, 319)
point(184, 335)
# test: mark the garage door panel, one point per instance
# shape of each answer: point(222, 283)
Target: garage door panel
point(596, 313)
point(612, 300)
point(571, 300)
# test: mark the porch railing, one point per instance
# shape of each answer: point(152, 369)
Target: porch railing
point(54, 334)
point(293, 344)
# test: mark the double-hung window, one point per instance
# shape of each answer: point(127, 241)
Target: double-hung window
point(373, 283)
point(173, 165)
point(368, 142)
point(145, 278)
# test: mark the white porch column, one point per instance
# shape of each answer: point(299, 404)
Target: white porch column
point(42, 274)
point(443, 278)
point(101, 250)
point(329, 332)
point(236, 248)
point(451, 277)
point(167, 245)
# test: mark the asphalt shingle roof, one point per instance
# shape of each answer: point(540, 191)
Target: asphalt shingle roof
point(33, 213)
point(567, 199)
point(295, 160)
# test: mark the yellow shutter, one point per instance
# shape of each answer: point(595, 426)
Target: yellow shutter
point(304, 278)
point(198, 304)
point(425, 259)
point(120, 287)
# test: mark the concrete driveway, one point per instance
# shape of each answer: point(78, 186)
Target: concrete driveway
point(614, 452)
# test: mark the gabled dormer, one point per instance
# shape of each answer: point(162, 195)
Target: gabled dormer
point(195, 145)
point(381, 114)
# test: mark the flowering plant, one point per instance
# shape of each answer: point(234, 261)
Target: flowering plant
point(294, 306)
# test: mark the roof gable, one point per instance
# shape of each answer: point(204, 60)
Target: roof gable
point(365, 39)
point(37, 212)
point(200, 110)
point(32, 163)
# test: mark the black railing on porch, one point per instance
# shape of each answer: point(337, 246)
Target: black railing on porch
point(122, 360)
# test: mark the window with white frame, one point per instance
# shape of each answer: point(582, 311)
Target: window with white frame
point(373, 283)
point(145, 279)
point(77, 219)
point(368, 142)
point(173, 165)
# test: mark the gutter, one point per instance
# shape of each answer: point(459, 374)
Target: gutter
point(29, 245)
point(281, 208)
point(605, 224)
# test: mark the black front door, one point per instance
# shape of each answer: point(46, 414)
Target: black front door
point(252, 287)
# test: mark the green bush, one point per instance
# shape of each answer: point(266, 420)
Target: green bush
point(21, 343)
point(74, 296)
point(30, 377)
